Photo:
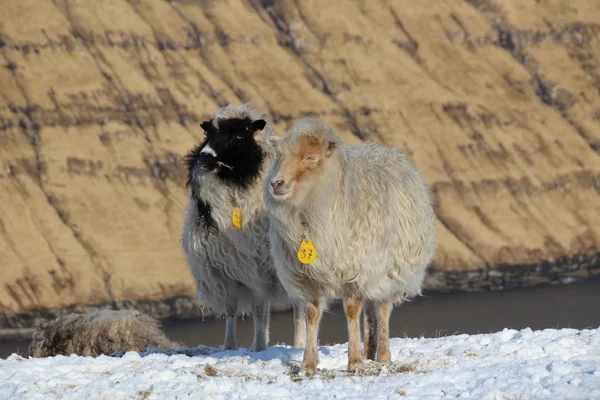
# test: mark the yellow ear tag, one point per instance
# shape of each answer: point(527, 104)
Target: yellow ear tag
point(236, 218)
point(307, 252)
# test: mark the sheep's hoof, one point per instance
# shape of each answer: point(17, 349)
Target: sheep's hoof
point(309, 369)
point(356, 366)
point(227, 347)
point(258, 347)
point(384, 357)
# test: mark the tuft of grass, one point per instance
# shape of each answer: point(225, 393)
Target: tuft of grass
point(329, 374)
point(222, 164)
point(404, 368)
point(210, 370)
point(371, 369)
point(401, 392)
point(471, 355)
point(144, 394)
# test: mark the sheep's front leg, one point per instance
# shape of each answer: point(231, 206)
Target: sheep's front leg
point(314, 312)
point(352, 308)
point(384, 310)
point(370, 331)
point(299, 326)
point(260, 311)
point(231, 310)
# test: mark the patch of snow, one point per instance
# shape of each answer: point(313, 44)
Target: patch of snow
point(568, 280)
point(526, 364)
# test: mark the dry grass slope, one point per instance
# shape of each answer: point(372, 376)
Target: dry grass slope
point(497, 101)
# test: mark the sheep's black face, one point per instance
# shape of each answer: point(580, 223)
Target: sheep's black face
point(229, 151)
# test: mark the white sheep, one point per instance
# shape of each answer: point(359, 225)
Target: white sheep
point(361, 220)
point(99, 332)
point(225, 237)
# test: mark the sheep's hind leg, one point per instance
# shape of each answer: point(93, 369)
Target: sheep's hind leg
point(370, 331)
point(260, 310)
point(384, 310)
point(352, 308)
point(314, 312)
point(231, 310)
point(267, 323)
point(299, 326)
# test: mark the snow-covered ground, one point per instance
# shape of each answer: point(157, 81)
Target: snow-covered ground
point(549, 364)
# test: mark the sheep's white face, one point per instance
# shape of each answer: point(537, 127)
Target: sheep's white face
point(300, 160)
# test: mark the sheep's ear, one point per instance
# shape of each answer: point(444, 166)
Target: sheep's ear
point(273, 141)
point(207, 126)
point(258, 125)
point(332, 145)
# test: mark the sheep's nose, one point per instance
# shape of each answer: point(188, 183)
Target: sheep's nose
point(276, 183)
point(207, 161)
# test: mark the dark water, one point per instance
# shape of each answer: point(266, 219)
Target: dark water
point(576, 305)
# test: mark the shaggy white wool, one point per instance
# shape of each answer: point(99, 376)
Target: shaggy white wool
point(369, 215)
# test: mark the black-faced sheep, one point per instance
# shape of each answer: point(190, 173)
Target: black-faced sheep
point(99, 332)
point(361, 221)
point(225, 237)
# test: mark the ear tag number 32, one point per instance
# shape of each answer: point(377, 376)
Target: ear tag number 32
point(236, 218)
point(307, 252)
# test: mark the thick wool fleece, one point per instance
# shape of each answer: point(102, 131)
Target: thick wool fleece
point(225, 260)
point(369, 216)
point(99, 332)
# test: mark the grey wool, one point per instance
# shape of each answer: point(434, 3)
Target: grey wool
point(233, 268)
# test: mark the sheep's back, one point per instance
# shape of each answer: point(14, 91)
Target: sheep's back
point(393, 210)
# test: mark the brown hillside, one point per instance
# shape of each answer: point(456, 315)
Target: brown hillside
point(497, 101)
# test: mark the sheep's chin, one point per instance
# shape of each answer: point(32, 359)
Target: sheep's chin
point(287, 195)
point(202, 171)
